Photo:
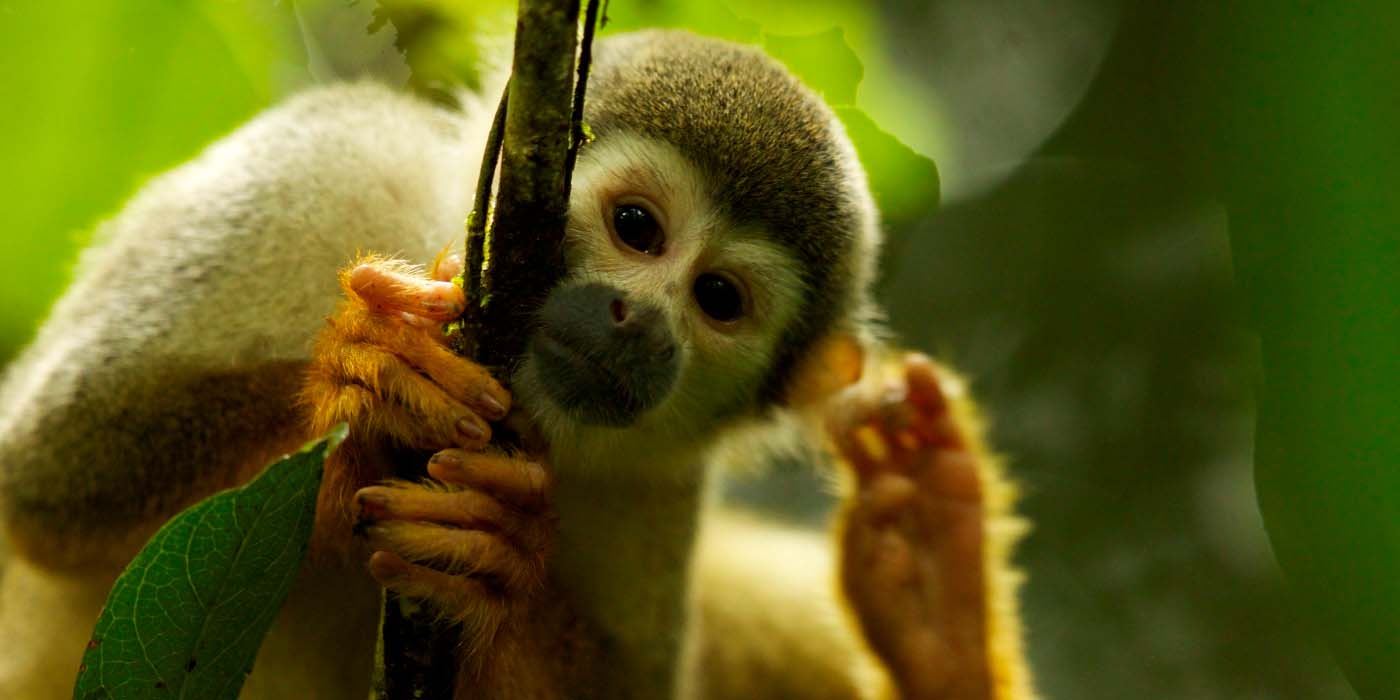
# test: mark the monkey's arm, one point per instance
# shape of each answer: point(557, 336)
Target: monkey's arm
point(168, 368)
point(473, 538)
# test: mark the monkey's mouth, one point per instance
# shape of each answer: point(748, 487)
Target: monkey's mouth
point(596, 389)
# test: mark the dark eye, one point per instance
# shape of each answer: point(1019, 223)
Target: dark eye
point(718, 297)
point(636, 227)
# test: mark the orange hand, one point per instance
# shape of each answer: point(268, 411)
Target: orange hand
point(472, 543)
point(913, 536)
point(382, 366)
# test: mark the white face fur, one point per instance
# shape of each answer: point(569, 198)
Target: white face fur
point(640, 220)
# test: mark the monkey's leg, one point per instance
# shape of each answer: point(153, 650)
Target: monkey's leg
point(921, 565)
point(383, 366)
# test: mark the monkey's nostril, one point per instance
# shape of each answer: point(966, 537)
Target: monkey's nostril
point(619, 311)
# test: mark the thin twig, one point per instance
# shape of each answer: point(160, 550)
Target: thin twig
point(478, 219)
point(585, 61)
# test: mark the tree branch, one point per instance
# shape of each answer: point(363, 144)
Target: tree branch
point(511, 263)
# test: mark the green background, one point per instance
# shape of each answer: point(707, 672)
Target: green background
point(1165, 255)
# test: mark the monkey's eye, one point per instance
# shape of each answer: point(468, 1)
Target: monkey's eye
point(718, 297)
point(636, 227)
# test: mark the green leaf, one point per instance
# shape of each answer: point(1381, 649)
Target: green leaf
point(822, 60)
point(187, 616)
point(905, 183)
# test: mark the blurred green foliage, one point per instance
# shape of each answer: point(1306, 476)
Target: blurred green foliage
point(101, 96)
point(1201, 212)
point(1311, 166)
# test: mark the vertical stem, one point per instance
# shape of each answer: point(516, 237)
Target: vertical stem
point(465, 343)
point(511, 264)
point(577, 136)
point(524, 256)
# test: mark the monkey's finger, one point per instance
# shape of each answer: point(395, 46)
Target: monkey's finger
point(929, 391)
point(464, 509)
point(447, 549)
point(853, 426)
point(422, 348)
point(521, 483)
point(460, 553)
point(463, 379)
point(925, 388)
point(459, 597)
point(388, 291)
point(426, 416)
point(458, 508)
point(864, 448)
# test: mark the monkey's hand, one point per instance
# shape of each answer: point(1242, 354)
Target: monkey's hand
point(474, 542)
point(913, 539)
point(382, 365)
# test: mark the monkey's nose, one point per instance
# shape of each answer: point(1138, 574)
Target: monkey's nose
point(618, 307)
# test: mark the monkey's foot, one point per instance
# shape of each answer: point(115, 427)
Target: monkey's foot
point(473, 543)
point(383, 366)
point(914, 535)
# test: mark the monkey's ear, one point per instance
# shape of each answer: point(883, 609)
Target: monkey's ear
point(836, 362)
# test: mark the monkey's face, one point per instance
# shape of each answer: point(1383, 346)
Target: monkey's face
point(667, 321)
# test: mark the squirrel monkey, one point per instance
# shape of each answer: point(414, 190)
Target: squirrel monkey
point(720, 248)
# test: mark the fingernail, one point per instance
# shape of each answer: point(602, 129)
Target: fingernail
point(447, 459)
point(371, 505)
point(371, 498)
point(384, 567)
point(470, 429)
point(493, 405)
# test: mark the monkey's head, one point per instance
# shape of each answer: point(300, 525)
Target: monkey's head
point(720, 232)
